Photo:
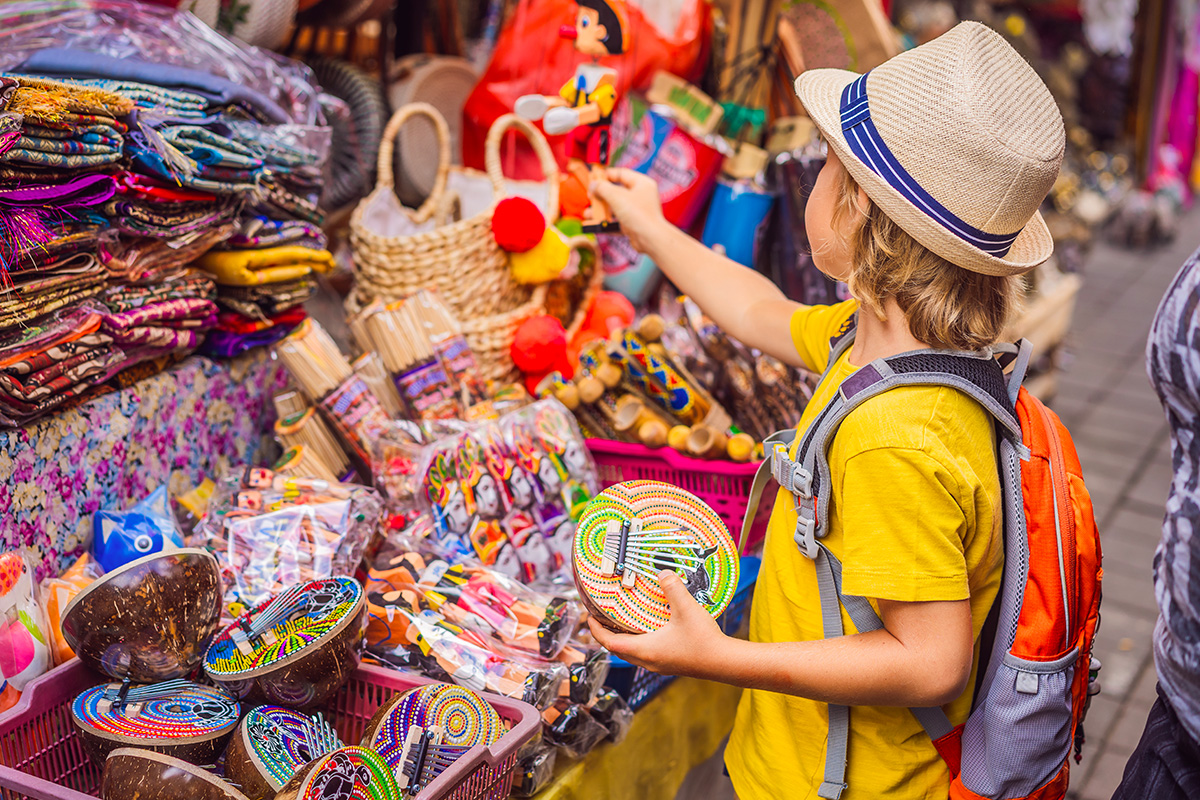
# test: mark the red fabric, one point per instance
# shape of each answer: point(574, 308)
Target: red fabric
point(590, 144)
point(949, 747)
point(236, 323)
point(530, 58)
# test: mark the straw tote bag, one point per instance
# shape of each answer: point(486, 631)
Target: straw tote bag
point(460, 259)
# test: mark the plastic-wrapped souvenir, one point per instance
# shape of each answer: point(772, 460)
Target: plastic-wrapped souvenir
point(24, 653)
point(535, 768)
point(478, 599)
point(57, 593)
point(613, 712)
point(573, 729)
point(271, 531)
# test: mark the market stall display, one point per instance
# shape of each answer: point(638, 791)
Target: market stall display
point(519, 425)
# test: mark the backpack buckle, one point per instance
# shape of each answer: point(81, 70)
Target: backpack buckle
point(789, 474)
point(805, 536)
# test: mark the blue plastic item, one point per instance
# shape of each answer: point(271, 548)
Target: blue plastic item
point(119, 537)
point(737, 219)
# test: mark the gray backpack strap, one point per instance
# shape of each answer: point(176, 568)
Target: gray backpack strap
point(976, 374)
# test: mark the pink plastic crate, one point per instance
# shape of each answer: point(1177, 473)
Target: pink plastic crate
point(722, 484)
point(41, 755)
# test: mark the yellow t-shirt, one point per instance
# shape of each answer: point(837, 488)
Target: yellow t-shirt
point(915, 515)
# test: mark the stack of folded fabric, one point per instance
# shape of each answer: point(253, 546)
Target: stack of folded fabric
point(262, 291)
point(59, 145)
point(43, 366)
point(150, 321)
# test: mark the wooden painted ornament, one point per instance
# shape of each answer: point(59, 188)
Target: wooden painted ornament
point(149, 620)
point(179, 718)
point(348, 773)
point(134, 774)
point(632, 531)
point(424, 730)
point(295, 649)
point(271, 744)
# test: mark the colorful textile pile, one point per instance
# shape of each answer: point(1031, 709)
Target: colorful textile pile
point(117, 177)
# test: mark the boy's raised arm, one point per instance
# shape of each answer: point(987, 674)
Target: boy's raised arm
point(744, 303)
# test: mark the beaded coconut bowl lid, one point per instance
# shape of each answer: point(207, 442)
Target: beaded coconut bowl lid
point(272, 744)
point(180, 718)
point(423, 731)
point(632, 531)
point(148, 620)
point(349, 772)
point(294, 649)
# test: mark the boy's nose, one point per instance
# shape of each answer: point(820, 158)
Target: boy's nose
point(568, 32)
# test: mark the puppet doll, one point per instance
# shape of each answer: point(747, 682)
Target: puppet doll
point(583, 108)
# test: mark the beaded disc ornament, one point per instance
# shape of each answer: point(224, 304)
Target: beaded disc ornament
point(348, 773)
point(423, 731)
point(172, 714)
point(272, 744)
point(283, 626)
point(632, 531)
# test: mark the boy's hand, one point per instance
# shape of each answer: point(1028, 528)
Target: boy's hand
point(684, 646)
point(634, 201)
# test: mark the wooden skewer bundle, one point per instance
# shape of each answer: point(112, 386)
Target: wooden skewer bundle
point(370, 367)
point(302, 461)
point(310, 430)
point(289, 402)
point(398, 333)
point(313, 359)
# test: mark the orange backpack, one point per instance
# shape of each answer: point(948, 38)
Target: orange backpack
point(1036, 669)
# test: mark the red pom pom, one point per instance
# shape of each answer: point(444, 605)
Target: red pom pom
point(517, 224)
point(540, 347)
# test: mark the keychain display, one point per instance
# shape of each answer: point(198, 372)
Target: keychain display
point(180, 718)
point(570, 727)
point(480, 599)
point(271, 744)
point(295, 649)
point(270, 531)
point(505, 492)
point(634, 530)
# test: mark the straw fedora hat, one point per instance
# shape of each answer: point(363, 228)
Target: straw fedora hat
point(957, 141)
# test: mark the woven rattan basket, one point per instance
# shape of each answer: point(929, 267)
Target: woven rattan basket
point(460, 259)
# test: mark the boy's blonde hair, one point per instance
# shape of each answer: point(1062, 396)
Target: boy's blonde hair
point(947, 307)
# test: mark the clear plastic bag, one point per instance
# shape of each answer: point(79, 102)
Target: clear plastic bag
point(269, 531)
point(140, 32)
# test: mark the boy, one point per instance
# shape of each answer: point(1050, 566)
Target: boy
point(927, 208)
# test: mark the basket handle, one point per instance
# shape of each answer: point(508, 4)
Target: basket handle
point(594, 285)
point(541, 148)
point(385, 176)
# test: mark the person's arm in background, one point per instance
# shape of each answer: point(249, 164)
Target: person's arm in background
point(742, 302)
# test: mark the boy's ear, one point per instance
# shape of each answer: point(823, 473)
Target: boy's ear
point(864, 202)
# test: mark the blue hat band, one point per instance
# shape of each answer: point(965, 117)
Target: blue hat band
point(868, 146)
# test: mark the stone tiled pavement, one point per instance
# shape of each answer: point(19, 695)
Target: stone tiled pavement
point(1118, 425)
point(1106, 401)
